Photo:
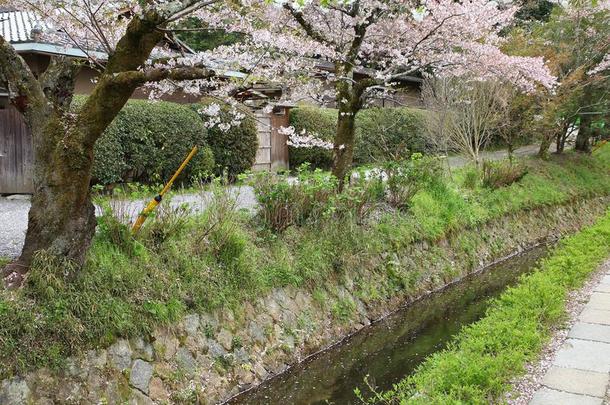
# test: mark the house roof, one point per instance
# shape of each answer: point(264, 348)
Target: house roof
point(20, 27)
point(17, 26)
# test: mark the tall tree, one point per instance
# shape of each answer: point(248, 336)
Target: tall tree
point(361, 48)
point(575, 41)
point(118, 38)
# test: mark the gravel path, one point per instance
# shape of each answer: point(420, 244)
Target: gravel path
point(14, 213)
point(528, 150)
point(13, 223)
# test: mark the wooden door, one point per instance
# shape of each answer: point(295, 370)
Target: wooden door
point(279, 146)
point(263, 154)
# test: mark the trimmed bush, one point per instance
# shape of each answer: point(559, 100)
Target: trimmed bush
point(381, 133)
point(384, 134)
point(321, 122)
point(502, 173)
point(235, 149)
point(147, 141)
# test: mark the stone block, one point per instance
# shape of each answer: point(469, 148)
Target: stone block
point(599, 300)
point(141, 373)
point(590, 331)
point(576, 381)
point(120, 354)
point(584, 355)
point(592, 315)
point(546, 396)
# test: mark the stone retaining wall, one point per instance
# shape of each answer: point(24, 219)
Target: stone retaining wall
point(210, 357)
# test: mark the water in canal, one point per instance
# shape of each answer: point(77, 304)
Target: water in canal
point(388, 350)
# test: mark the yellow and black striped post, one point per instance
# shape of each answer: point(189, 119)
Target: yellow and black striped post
point(155, 201)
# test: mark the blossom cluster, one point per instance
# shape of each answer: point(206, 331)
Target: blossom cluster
point(303, 139)
point(602, 66)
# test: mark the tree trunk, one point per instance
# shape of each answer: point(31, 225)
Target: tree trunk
point(545, 144)
point(61, 220)
point(583, 137)
point(343, 149)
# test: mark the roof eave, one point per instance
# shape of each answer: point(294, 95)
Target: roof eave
point(50, 49)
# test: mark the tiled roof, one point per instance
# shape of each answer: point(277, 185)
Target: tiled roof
point(16, 26)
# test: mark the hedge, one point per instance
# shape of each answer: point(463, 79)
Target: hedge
point(147, 141)
point(234, 149)
point(379, 132)
point(319, 121)
point(384, 131)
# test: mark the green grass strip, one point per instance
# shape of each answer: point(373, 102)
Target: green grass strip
point(477, 367)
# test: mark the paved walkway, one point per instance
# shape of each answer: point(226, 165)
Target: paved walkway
point(579, 374)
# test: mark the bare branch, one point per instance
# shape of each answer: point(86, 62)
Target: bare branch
point(189, 7)
point(306, 25)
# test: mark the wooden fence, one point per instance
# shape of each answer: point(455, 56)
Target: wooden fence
point(16, 155)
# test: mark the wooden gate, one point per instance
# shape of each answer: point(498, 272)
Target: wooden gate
point(263, 154)
point(279, 147)
point(272, 153)
point(16, 157)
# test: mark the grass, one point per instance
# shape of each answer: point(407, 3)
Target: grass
point(477, 367)
point(221, 258)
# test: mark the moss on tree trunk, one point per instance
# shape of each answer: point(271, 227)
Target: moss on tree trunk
point(343, 149)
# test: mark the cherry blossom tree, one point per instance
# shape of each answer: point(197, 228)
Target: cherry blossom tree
point(576, 41)
point(350, 51)
point(121, 39)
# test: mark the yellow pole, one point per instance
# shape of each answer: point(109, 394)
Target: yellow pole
point(599, 145)
point(155, 201)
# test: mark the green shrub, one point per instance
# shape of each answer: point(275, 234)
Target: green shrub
point(381, 134)
point(320, 122)
point(147, 142)
point(284, 203)
point(501, 173)
point(234, 149)
point(407, 177)
point(471, 177)
point(388, 133)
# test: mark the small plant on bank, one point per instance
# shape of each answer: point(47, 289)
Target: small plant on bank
point(501, 173)
point(405, 178)
point(471, 177)
point(112, 226)
point(284, 203)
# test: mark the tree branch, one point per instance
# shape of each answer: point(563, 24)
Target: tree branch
point(140, 77)
point(57, 82)
point(188, 7)
point(307, 27)
point(24, 89)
